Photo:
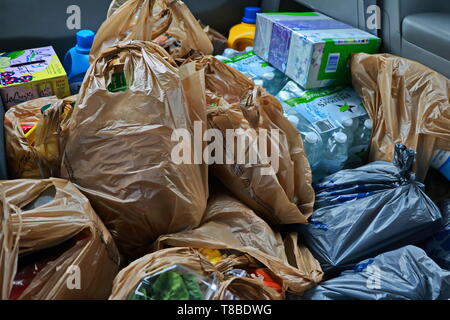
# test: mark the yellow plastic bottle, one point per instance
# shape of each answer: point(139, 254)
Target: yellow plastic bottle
point(242, 35)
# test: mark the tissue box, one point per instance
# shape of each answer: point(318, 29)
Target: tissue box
point(31, 74)
point(309, 47)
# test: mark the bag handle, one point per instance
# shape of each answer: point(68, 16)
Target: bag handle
point(125, 25)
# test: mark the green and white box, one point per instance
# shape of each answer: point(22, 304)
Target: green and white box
point(309, 47)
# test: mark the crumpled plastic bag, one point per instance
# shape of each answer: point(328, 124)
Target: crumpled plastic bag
point(438, 246)
point(146, 20)
point(218, 40)
point(243, 289)
point(38, 216)
point(408, 103)
point(234, 102)
point(229, 224)
point(42, 158)
point(365, 211)
point(118, 151)
point(403, 274)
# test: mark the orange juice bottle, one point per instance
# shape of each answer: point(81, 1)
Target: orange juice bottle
point(242, 35)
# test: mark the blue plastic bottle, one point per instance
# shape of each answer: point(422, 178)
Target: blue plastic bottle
point(76, 61)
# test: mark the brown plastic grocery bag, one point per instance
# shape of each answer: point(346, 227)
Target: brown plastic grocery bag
point(408, 103)
point(23, 159)
point(155, 18)
point(218, 40)
point(128, 278)
point(119, 146)
point(229, 224)
point(234, 102)
point(50, 139)
point(48, 225)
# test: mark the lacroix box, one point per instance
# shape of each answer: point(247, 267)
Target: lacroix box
point(31, 74)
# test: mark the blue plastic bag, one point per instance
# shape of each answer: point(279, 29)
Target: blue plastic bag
point(438, 246)
point(403, 274)
point(363, 212)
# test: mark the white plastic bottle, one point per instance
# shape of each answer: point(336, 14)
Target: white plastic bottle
point(335, 153)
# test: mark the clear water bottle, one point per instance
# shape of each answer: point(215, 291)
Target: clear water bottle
point(350, 130)
point(259, 82)
point(221, 58)
point(293, 119)
point(335, 153)
point(269, 83)
point(299, 121)
point(230, 53)
point(364, 135)
point(313, 148)
point(285, 95)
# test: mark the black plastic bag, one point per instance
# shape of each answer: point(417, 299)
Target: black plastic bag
point(403, 274)
point(363, 212)
point(438, 246)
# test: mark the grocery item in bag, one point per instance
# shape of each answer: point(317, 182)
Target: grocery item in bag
point(167, 22)
point(408, 103)
point(362, 212)
point(278, 190)
point(18, 121)
point(119, 146)
point(53, 245)
point(403, 274)
point(230, 225)
point(49, 139)
point(175, 283)
point(182, 274)
point(29, 144)
point(437, 246)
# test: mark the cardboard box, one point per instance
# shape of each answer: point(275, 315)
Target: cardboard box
point(309, 47)
point(31, 74)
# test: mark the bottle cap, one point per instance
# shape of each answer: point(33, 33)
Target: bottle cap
point(44, 108)
point(368, 124)
point(229, 52)
point(294, 120)
point(340, 137)
point(85, 38)
point(268, 75)
point(284, 95)
point(311, 137)
point(221, 58)
point(348, 122)
point(259, 82)
point(250, 15)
